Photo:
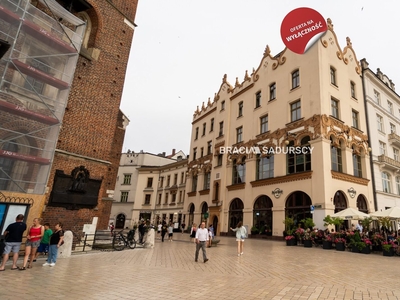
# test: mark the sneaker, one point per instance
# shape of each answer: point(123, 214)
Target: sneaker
point(46, 264)
point(241, 253)
point(52, 264)
point(206, 260)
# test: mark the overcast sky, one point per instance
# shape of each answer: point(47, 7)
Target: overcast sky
point(182, 48)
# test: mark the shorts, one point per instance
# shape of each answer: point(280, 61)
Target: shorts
point(239, 240)
point(43, 248)
point(12, 247)
point(170, 234)
point(34, 244)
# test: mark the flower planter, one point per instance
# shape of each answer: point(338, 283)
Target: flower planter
point(388, 253)
point(340, 246)
point(366, 250)
point(326, 244)
point(292, 242)
point(354, 249)
point(377, 248)
point(307, 243)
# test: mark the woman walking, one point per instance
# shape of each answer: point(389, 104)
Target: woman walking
point(193, 233)
point(241, 234)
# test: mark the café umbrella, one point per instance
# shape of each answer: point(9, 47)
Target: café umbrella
point(350, 214)
point(392, 213)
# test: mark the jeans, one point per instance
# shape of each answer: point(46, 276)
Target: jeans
point(201, 245)
point(53, 252)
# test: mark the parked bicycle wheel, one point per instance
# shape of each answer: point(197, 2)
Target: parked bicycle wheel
point(118, 243)
point(132, 244)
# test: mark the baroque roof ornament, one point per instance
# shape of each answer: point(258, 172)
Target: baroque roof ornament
point(246, 76)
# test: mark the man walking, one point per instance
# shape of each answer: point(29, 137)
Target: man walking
point(201, 242)
point(13, 235)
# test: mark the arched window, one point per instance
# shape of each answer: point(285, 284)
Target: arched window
point(239, 171)
point(265, 167)
point(299, 158)
point(398, 184)
point(336, 157)
point(357, 163)
point(386, 186)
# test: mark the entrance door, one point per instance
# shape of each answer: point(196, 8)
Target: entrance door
point(215, 225)
point(120, 222)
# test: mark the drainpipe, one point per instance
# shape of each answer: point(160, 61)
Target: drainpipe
point(364, 66)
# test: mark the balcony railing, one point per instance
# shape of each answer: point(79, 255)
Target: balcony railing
point(394, 139)
point(388, 162)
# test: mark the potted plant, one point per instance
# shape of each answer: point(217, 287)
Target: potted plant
point(288, 233)
point(327, 241)
point(254, 230)
point(388, 248)
point(367, 248)
point(366, 223)
point(377, 240)
point(340, 243)
point(307, 238)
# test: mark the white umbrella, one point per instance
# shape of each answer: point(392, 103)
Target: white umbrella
point(350, 214)
point(392, 213)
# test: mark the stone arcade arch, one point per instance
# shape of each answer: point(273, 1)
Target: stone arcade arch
point(362, 204)
point(298, 206)
point(235, 212)
point(262, 214)
point(191, 215)
point(340, 202)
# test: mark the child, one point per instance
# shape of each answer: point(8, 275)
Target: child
point(56, 240)
point(111, 228)
point(44, 243)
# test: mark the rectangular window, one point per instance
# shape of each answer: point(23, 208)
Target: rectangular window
point(238, 172)
point(147, 199)
point(212, 125)
point(201, 152)
point(168, 180)
point(150, 182)
point(295, 111)
point(219, 159)
point(159, 199)
point(204, 129)
point(207, 177)
point(377, 97)
point(209, 147)
point(336, 159)
point(382, 148)
point(173, 198)
point(295, 79)
point(240, 109)
point(223, 105)
point(353, 89)
point(124, 196)
point(396, 155)
point(272, 91)
point(166, 198)
point(354, 115)
point(392, 128)
point(390, 107)
point(264, 124)
point(379, 121)
point(161, 184)
point(180, 196)
point(333, 76)
point(194, 153)
point(357, 165)
point(239, 134)
point(258, 99)
point(182, 177)
point(176, 179)
point(196, 136)
point(335, 108)
point(127, 178)
point(221, 129)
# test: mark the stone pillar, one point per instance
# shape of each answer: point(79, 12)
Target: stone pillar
point(66, 248)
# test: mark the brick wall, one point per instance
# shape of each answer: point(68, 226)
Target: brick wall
point(92, 133)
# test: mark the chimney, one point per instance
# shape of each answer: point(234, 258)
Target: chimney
point(173, 152)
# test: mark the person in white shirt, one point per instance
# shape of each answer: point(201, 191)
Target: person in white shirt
point(201, 242)
point(241, 234)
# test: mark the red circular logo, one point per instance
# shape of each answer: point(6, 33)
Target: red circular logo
point(301, 28)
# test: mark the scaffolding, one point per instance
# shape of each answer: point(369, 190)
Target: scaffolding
point(36, 76)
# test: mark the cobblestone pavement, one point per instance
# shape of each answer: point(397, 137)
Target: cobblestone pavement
point(267, 270)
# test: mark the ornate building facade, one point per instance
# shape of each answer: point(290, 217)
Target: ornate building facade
point(383, 114)
point(291, 137)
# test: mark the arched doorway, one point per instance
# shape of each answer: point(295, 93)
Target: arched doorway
point(120, 221)
point(191, 215)
point(204, 209)
point(340, 203)
point(215, 225)
point(362, 204)
point(235, 213)
point(262, 215)
point(298, 206)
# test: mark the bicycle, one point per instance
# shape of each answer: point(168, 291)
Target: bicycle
point(121, 241)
